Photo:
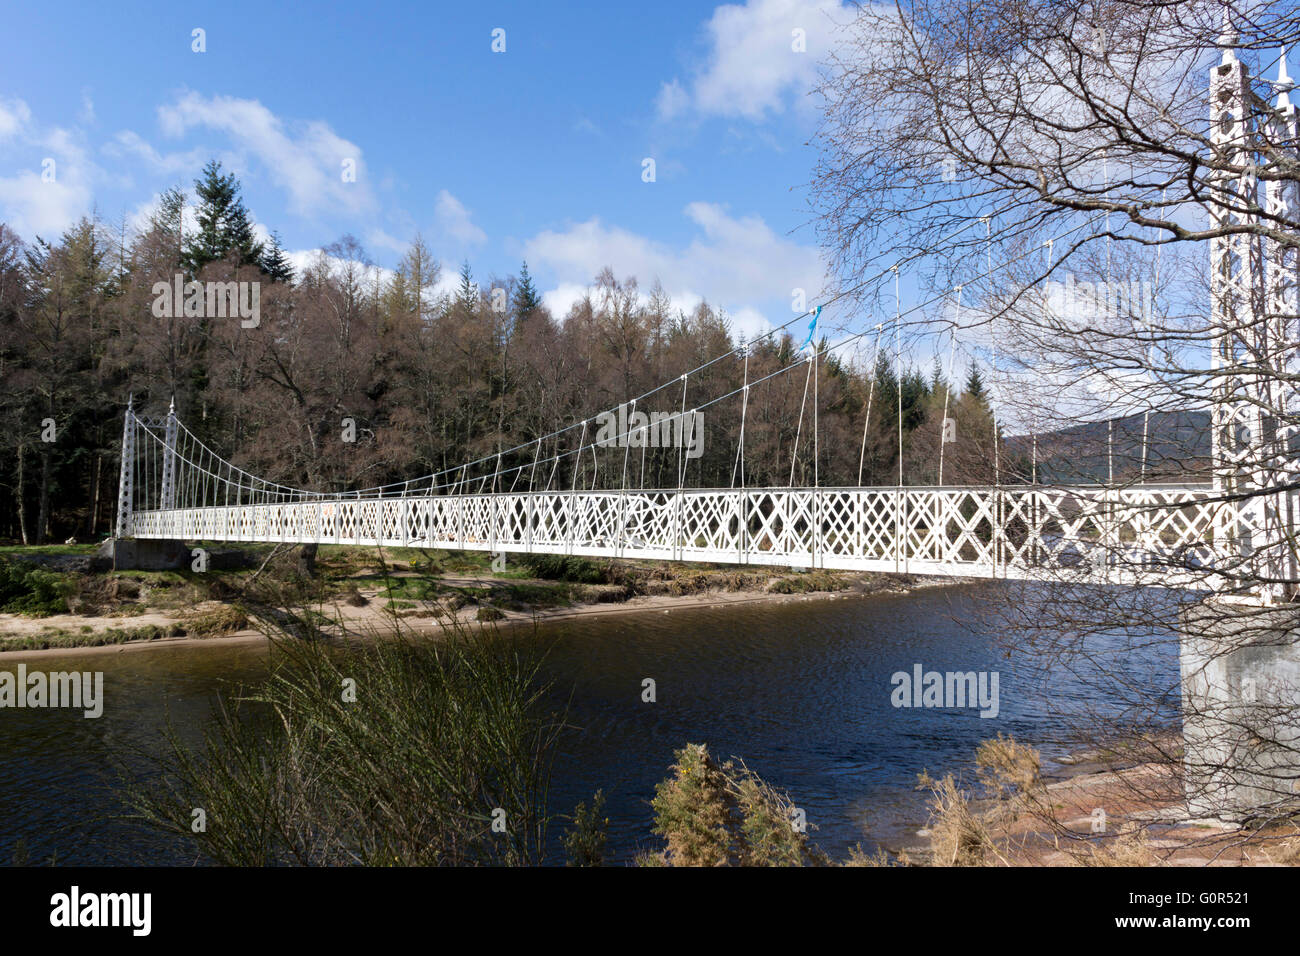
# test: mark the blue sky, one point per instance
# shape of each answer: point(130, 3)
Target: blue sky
point(535, 152)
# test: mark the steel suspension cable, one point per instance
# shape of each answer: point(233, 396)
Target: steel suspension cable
point(871, 394)
point(947, 388)
point(739, 463)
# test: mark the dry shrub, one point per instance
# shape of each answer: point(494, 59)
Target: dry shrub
point(1129, 847)
point(860, 857)
point(1010, 783)
point(1011, 776)
point(168, 594)
point(1286, 852)
point(1008, 764)
point(958, 834)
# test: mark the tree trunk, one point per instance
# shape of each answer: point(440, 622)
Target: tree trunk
point(307, 561)
point(22, 493)
point(93, 518)
point(43, 511)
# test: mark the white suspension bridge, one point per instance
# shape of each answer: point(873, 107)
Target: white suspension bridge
point(1215, 535)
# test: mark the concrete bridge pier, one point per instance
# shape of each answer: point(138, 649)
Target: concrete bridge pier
point(1240, 668)
point(146, 554)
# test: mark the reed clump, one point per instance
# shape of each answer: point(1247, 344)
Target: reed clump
point(391, 751)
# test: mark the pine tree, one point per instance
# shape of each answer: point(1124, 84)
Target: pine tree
point(975, 384)
point(527, 301)
point(915, 394)
point(275, 263)
point(224, 223)
point(937, 382)
point(467, 294)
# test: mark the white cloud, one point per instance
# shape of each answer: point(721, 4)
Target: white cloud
point(380, 239)
point(737, 264)
point(564, 297)
point(14, 116)
point(672, 100)
point(32, 207)
point(453, 221)
point(752, 66)
point(128, 144)
point(448, 282)
point(53, 185)
point(304, 157)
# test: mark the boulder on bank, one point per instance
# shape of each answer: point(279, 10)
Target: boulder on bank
point(141, 554)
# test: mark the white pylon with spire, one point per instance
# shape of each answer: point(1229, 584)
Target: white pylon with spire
point(1253, 316)
point(167, 497)
point(126, 475)
point(1282, 290)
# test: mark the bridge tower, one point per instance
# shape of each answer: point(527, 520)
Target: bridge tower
point(167, 493)
point(1240, 651)
point(1253, 316)
point(126, 476)
point(1282, 285)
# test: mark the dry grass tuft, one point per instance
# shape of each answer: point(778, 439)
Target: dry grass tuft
point(220, 620)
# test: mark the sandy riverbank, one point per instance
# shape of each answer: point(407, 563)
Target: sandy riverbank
point(374, 619)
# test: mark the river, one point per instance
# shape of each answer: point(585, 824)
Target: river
point(800, 690)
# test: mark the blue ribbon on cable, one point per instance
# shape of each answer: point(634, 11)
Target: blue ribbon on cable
point(812, 328)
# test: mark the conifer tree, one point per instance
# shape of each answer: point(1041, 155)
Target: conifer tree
point(975, 384)
point(467, 294)
point(527, 301)
point(275, 263)
point(224, 226)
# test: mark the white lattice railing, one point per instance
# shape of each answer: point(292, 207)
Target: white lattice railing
point(1170, 535)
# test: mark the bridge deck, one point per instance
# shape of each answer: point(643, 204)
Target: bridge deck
point(1118, 535)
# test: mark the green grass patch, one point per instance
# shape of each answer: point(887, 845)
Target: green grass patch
point(48, 548)
point(59, 639)
point(523, 596)
point(813, 581)
point(564, 567)
point(31, 590)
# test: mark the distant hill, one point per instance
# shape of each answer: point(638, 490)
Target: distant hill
point(1178, 449)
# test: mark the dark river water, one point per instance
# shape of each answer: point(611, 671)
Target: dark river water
point(801, 691)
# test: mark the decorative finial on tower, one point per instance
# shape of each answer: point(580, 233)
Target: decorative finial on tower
point(171, 408)
point(1283, 84)
point(1229, 38)
point(130, 400)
